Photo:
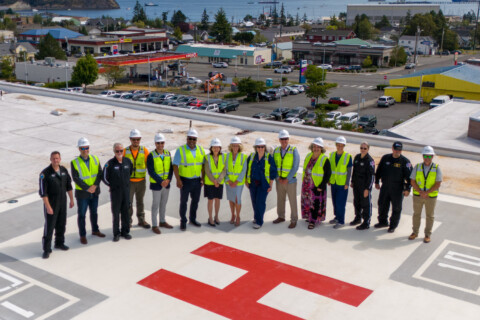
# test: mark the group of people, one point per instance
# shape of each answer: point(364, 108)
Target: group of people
point(125, 174)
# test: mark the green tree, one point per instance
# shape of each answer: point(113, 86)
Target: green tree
point(316, 83)
point(275, 16)
point(314, 74)
point(259, 38)
point(164, 17)
point(322, 120)
point(85, 71)
point(244, 37)
point(248, 17)
point(363, 28)
point(221, 28)
point(37, 18)
point(83, 30)
point(384, 22)
point(139, 13)
point(177, 33)
point(398, 57)
point(204, 25)
point(250, 86)
point(112, 74)
point(49, 47)
point(450, 40)
point(283, 18)
point(367, 63)
point(6, 67)
point(342, 16)
point(297, 20)
point(178, 18)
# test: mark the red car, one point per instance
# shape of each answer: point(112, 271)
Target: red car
point(196, 103)
point(292, 62)
point(339, 101)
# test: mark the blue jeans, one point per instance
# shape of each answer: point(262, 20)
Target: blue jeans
point(83, 205)
point(339, 199)
point(258, 194)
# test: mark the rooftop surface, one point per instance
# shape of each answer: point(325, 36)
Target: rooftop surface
point(466, 72)
point(224, 272)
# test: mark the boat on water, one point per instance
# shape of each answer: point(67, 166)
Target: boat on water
point(151, 4)
point(269, 2)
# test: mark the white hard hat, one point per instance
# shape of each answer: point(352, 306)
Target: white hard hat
point(215, 142)
point(192, 133)
point(259, 142)
point(341, 140)
point(283, 134)
point(235, 140)
point(159, 137)
point(83, 142)
point(428, 151)
point(318, 141)
point(135, 133)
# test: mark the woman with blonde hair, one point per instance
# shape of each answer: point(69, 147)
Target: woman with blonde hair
point(316, 174)
point(235, 177)
point(215, 170)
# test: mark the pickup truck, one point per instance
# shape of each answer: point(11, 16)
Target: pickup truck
point(283, 69)
point(228, 105)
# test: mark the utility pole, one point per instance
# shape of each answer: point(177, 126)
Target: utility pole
point(416, 44)
point(441, 45)
point(419, 95)
point(476, 28)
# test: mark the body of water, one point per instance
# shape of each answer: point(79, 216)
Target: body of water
point(236, 10)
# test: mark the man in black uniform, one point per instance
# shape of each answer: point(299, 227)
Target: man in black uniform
point(394, 171)
point(363, 177)
point(55, 183)
point(116, 175)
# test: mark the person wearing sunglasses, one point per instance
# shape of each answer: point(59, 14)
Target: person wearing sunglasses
point(87, 175)
point(426, 179)
point(235, 178)
point(188, 170)
point(116, 175)
point(363, 177)
point(394, 171)
point(138, 155)
point(160, 170)
point(287, 160)
point(261, 173)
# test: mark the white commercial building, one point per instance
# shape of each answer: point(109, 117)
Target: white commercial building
point(425, 45)
point(44, 71)
point(394, 12)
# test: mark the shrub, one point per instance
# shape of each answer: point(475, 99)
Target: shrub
point(328, 107)
point(59, 85)
point(234, 95)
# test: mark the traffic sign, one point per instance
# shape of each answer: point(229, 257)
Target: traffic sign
point(385, 77)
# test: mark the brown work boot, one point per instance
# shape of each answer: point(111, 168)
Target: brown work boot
point(143, 224)
point(83, 240)
point(156, 230)
point(98, 234)
point(278, 220)
point(165, 225)
point(413, 236)
point(292, 225)
point(426, 239)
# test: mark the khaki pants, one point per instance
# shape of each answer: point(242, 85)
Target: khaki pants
point(283, 190)
point(137, 189)
point(418, 204)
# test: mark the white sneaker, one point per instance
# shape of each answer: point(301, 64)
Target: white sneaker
point(256, 226)
point(338, 225)
point(333, 221)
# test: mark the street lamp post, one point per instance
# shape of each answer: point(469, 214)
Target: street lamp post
point(208, 92)
point(236, 59)
point(419, 95)
point(66, 74)
point(360, 95)
point(149, 71)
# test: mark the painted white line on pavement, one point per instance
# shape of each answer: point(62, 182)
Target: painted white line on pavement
point(17, 309)
point(22, 201)
point(15, 282)
point(459, 200)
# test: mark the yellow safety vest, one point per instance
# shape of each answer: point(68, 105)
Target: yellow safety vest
point(87, 175)
point(233, 171)
point(430, 179)
point(215, 169)
point(189, 166)
point(267, 167)
point(285, 164)
point(317, 170)
point(161, 166)
point(339, 174)
point(139, 166)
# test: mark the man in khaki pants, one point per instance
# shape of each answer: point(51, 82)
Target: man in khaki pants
point(426, 178)
point(287, 160)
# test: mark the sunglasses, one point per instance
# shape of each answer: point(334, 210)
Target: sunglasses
point(284, 139)
point(161, 142)
point(119, 151)
point(192, 139)
point(261, 147)
point(428, 156)
point(363, 148)
point(84, 148)
point(135, 139)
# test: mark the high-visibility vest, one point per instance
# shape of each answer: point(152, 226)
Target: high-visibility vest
point(285, 163)
point(339, 173)
point(161, 166)
point(87, 175)
point(430, 179)
point(215, 169)
point(267, 167)
point(233, 171)
point(189, 166)
point(139, 166)
point(317, 170)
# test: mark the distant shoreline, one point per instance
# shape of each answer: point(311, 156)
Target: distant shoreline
point(73, 5)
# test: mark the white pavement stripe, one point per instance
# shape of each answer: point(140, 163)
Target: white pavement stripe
point(5, 206)
point(444, 265)
point(361, 86)
point(16, 309)
point(354, 85)
point(15, 282)
point(459, 200)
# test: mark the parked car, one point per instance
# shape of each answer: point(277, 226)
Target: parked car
point(194, 80)
point(283, 69)
point(107, 93)
point(367, 120)
point(333, 115)
point(127, 96)
point(292, 90)
point(275, 92)
point(284, 91)
point(292, 62)
point(220, 65)
point(174, 66)
point(350, 117)
point(263, 116)
point(78, 89)
point(228, 105)
point(294, 120)
point(213, 107)
point(325, 66)
point(438, 101)
point(274, 64)
point(445, 53)
point(385, 101)
point(297, 112)
point(263, 96)
point(354, 67)
point(340, 68)
point(69, 90)
point(280, 113)
point(299, 87)
point(310, 118)
point(338, 100)
point(410, 65)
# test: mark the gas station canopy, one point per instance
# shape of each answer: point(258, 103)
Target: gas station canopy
point(143, 58)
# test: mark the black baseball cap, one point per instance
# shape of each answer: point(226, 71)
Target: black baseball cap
point(397, 145)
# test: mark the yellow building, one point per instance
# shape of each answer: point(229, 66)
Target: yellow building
point(462, 82)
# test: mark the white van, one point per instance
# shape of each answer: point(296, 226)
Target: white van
point(439, 100)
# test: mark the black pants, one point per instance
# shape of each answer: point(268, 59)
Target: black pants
point(192, 188)
point(387, 196)
point(57, 222)
point(362, 205)
point(120, 201)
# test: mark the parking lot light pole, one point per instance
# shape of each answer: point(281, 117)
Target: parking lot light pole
point(66, 74)
point(208, 92)
point(360, 95)
point(419, 95)
point(149, 71)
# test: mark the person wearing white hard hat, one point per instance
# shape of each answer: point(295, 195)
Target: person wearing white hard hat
point(138, 155)
point(214, 174)
point(261, 173)
point(426, 179)
point(188, 170)
point(235, 178)
point(341, 164)
point(316, 174)
point(363, 177)
point(160, 170)
point(287, 160)
point(87, 175)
